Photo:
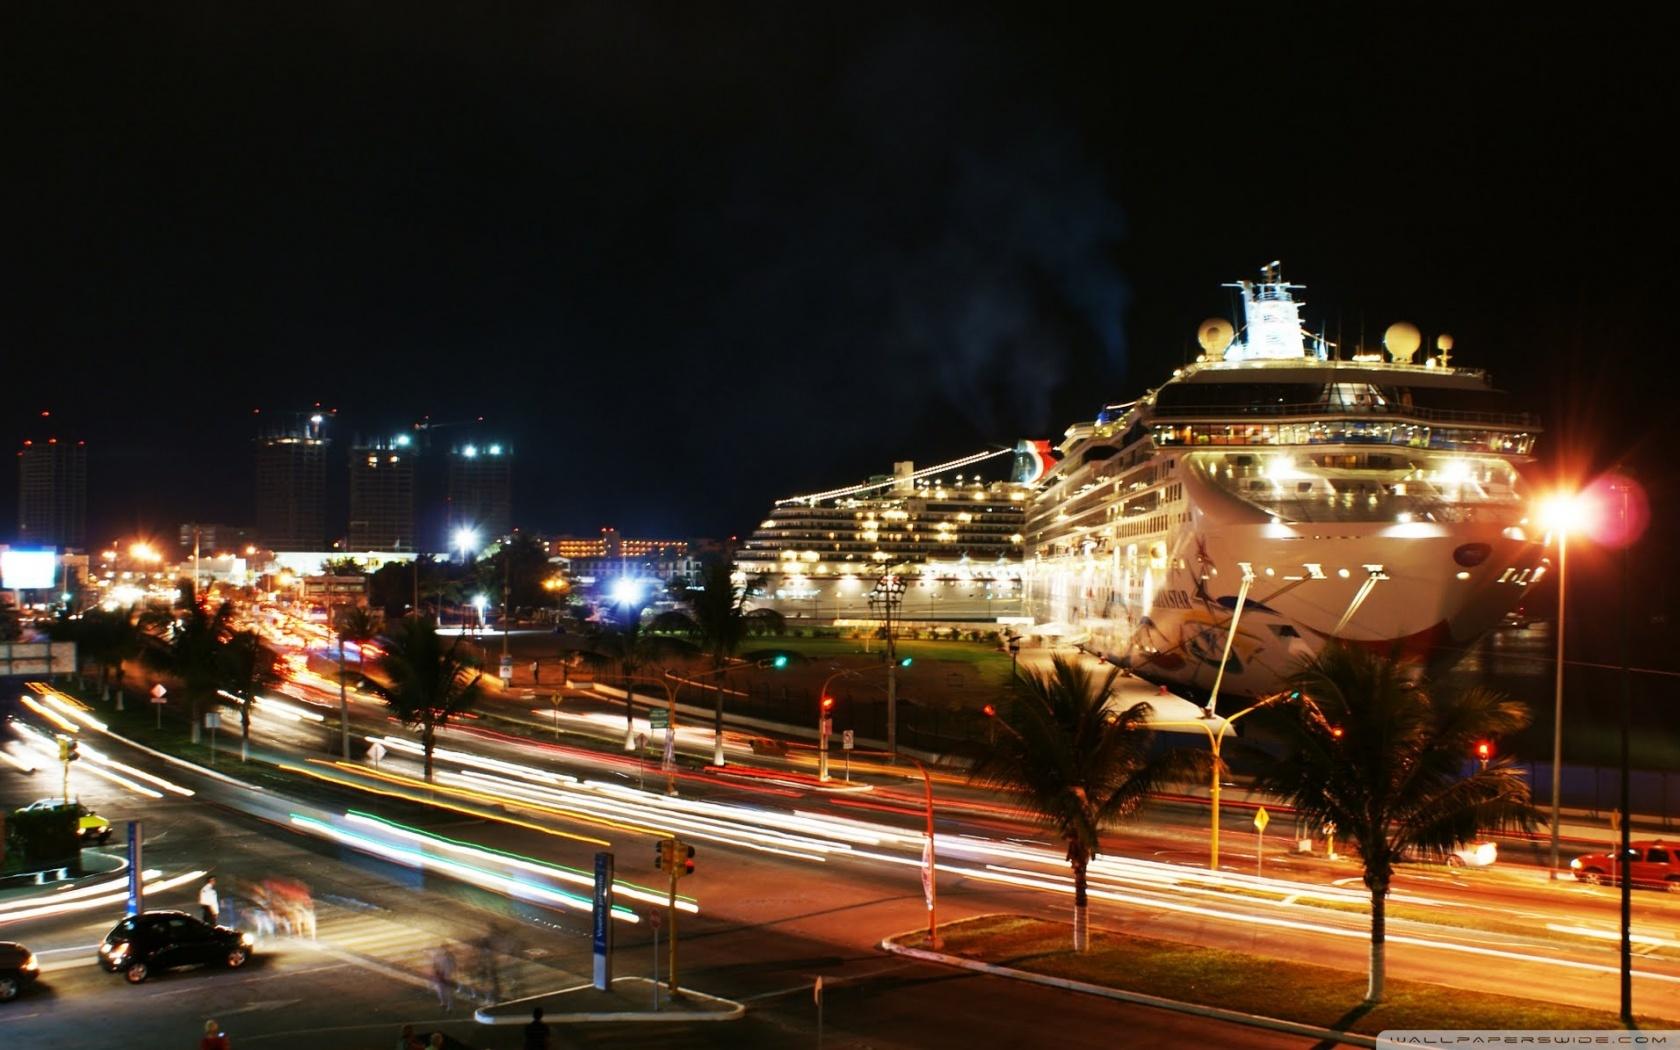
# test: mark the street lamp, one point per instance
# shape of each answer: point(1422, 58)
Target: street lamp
point(887, 596)
point(465, 541)
point(1563, 513)
point(1216, 740)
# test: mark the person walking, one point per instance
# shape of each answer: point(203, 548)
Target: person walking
point(408, 1040)
point(443, 976)
point(214, 1037)
point(209, 901)
point(536, 1033)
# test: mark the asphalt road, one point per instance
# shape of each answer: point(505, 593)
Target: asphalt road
point(770, 922)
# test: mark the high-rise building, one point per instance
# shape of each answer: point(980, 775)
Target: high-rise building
point(382, 478)
point(480, 490)
point(291, 486)
point(52, 493)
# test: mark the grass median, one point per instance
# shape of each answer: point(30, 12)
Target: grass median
point(1299, 992)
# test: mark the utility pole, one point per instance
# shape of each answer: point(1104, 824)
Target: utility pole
point(343, 694)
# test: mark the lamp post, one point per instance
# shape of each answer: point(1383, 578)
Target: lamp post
point(930, 868)
point(1216, 740)
point(717, 708)
point(888, 596)
point(1562, 514)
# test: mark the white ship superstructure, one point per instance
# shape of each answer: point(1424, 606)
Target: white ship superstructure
point(1377, 500)
point(950, 538)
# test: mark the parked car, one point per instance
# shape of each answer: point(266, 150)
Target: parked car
point(1651, 863)
point(152, 941)
point(89, 825)
point(18, 969)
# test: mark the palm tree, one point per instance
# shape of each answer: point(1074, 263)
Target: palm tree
point(1076, 767)
point(1380, 754)
point(359, 624)
point(186, 644)
point(719, 614)
point(425, 683)
point(248, 667)
point(108, 639)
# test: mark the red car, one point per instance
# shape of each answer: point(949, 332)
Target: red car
point(1651, 863)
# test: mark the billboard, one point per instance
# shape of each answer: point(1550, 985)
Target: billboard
point(22, 570)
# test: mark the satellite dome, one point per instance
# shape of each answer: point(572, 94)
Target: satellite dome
point(1402, 340)
point(1215, 335)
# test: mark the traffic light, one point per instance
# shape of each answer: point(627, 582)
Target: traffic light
point(1484, 751)
point(662, 854)
point(688, 862)
point(989, 711)
point(67, 749)
point(827, 705)
point(780, 661)
point(906, 662)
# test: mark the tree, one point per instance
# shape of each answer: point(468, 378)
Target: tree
point(345, 566)
point(1076, 767)
point(722, 622)
point(248, 667)
point(109, 638)
point(186, 644)
point(1378, 752)
point(425, 683)
point(520, 563)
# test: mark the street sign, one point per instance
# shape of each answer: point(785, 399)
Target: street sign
point(212, 720)
point(603, 938)
point(846, 740)
point(157, 694)
point(1261, 819)
point(827, 728)
point(659, 717)
point(376, 752)
point(506, 671)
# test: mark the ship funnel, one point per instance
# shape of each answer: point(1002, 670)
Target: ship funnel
point(1215, 335)
point(1402, 341)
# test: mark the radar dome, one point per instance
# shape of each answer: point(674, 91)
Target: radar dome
point(1215, 335)
point(1402, 340)
point(1443, 342)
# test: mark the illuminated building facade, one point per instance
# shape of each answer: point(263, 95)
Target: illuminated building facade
point(480, 490)
point(292, 485)
point(382, 482)
point(52, 493)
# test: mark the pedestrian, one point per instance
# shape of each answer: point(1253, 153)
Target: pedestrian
point(408, 1040)
point(437, 1041)
point(443, 976)
point(208, 900)
point(536, 1033)
point(214, 1037)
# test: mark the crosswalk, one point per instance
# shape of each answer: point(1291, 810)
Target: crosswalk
point(402, 947)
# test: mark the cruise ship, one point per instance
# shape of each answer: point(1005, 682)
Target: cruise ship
point(1270, 497)
point(948, 539)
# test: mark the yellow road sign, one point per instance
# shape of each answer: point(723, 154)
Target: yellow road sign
point(1261, 818)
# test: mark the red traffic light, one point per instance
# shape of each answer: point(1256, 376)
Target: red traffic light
point(989, 711)
point(1336, 731)
point(827, 704)
point(1484, 750)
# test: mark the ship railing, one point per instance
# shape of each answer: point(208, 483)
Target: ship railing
point(1322, 409)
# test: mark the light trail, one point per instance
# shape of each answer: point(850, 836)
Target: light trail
point(557, 871)
point(414, 858)
point(89, 903)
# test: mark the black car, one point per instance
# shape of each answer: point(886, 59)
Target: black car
point(160, 940)
point(18, 969)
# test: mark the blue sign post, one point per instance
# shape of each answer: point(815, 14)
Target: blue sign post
point(136, 891)
point(603, 921)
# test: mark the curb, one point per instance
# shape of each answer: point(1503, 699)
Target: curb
point(735, 1012)
point(1214, 1012)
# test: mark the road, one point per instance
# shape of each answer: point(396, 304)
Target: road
point(776, 912)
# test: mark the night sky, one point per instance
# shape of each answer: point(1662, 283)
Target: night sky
point(690, 258)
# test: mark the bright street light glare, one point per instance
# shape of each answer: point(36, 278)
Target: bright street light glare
point(481, 601)
point(466, 540)
point(626, 591)
point(1565, 512)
